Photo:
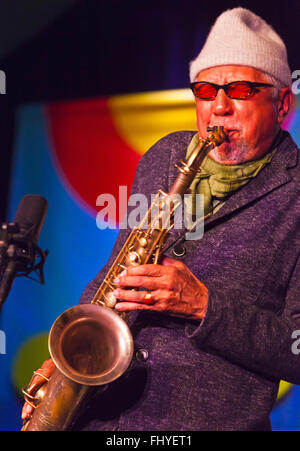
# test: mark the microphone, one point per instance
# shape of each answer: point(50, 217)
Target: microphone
point(18, 242)
point(30, 216)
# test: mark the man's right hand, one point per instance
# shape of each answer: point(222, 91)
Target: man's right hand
point(45, 370)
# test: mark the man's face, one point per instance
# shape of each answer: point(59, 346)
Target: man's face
point(252, 123)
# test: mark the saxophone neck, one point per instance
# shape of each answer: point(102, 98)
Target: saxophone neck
point(204, 146)
point(188, 168)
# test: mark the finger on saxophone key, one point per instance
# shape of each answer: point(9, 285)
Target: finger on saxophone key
point(26, 411)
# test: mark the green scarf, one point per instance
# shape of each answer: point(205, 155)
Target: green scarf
point(217, 181)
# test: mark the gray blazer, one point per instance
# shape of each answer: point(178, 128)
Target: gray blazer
point(222, 373)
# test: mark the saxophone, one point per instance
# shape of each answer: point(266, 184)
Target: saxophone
point(91, 344)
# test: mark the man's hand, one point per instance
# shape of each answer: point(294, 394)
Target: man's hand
point(46, 370)
point(174, 290)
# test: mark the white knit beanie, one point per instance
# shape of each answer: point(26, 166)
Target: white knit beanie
point(243, 38)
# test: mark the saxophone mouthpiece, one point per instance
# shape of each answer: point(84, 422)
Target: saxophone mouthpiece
point(219, 134)
point(212, 129)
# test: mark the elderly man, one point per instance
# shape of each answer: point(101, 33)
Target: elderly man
point(216, 337)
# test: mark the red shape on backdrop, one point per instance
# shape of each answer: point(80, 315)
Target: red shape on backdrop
point(89, 155)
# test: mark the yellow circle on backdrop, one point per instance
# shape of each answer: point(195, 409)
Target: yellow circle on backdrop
point(30, 356)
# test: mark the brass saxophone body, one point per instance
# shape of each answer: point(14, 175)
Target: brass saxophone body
point(91, 344)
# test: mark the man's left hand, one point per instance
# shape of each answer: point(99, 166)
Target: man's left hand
point(171, 288)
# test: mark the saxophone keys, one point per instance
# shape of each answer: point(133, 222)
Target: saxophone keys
point(143, 242)
point(185, 169)
point(34, 394)
point(134, 258)
point(110, 300)
point(31, 400)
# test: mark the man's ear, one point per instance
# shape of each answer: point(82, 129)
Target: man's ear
point(285, 98)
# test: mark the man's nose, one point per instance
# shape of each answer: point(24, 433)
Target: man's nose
point(222, 105)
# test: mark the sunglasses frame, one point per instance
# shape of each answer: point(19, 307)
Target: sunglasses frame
point(252, 84)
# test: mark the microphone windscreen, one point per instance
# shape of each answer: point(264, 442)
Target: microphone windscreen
point(31, 213)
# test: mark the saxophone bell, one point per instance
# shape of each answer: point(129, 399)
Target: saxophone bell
point(91, 345)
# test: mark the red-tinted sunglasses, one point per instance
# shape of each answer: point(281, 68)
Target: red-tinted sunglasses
point(234, 90)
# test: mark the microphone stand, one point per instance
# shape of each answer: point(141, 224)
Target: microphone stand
point(18, 254)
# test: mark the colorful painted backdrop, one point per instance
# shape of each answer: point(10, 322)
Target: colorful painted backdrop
point(71, 153)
